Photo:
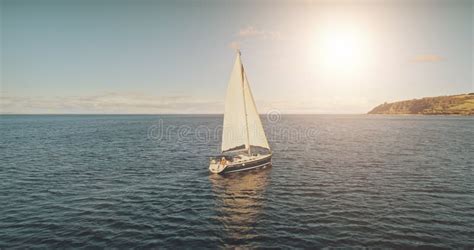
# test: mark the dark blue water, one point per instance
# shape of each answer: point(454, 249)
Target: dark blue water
point(142, 181)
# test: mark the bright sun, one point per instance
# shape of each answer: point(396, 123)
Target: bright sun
point(339, 50)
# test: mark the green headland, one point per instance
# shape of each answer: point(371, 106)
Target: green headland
point(441, 105)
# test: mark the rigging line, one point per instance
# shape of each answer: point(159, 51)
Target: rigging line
point(245, 105)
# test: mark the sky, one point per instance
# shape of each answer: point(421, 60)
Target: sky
point(154, 57)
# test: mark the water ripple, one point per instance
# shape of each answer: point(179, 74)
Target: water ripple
point(363, 181)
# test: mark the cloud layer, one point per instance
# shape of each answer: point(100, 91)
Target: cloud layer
point(138, 103)
point(109, 103)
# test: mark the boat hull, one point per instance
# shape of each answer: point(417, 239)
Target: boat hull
point(247, 165)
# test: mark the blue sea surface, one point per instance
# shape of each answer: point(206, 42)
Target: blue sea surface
point(143, 181)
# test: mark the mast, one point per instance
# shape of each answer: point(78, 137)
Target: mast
point(245, 106)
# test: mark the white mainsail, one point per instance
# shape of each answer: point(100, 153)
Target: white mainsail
point(242, 125)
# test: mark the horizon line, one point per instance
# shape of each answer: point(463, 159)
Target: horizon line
point(173, 114)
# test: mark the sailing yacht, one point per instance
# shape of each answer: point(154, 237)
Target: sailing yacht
point(244, 144)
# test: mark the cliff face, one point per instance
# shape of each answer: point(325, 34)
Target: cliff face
point(441, 105)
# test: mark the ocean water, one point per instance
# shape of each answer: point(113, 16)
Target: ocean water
point(142, 181)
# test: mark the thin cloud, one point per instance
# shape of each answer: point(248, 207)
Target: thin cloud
point(113, 103)
point(234, 45)
point(428, 58)
point(141, 103)
point(321, 105)
point(251, 31)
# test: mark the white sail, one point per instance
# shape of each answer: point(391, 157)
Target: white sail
point(255, 129)
point(242, 125)
point(234, 133)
